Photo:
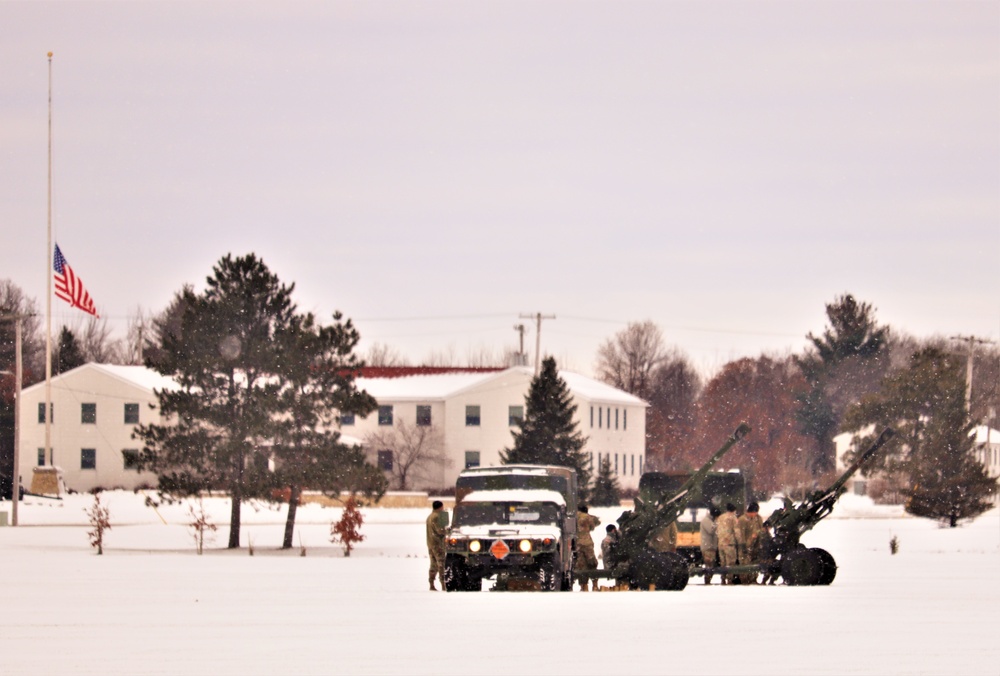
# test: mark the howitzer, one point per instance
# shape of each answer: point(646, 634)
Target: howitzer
point(797, 564)
point(632, 559)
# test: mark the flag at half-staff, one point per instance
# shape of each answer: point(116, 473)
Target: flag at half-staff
point(68, 285)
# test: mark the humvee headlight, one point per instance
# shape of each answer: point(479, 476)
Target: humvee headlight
point(475, 546)
point(524, 546)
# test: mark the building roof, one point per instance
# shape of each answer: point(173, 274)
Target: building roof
point(400, 384)
point(447, 383)
point(139, 376)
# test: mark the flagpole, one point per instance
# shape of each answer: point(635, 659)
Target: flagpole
point(48, 295)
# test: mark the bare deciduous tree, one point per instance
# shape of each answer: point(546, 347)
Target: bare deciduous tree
point(627, 360)
point(380, 354)
point(417, 452)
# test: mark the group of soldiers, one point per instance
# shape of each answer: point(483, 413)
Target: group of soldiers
point(728, 540)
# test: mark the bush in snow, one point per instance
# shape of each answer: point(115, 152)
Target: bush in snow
point(200, 525)
point(346, 531)
point(100, 518)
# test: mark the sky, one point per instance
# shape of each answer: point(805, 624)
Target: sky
point(436, 170)
point(151, 605)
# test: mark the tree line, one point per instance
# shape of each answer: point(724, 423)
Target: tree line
point(248, 364)
point(857, 376)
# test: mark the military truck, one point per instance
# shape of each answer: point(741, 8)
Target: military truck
point(718, 489)
point(514, 523)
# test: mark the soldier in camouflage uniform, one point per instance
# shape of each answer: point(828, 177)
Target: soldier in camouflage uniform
point(435, 542)
point(586, 559)
point(748, 530)
point(709, 540)
point(725, 528)
point(665, 539)
point(609, 543)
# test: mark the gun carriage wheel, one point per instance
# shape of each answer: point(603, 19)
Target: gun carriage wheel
point(808, 567)
point(661, 570)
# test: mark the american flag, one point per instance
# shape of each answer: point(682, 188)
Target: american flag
point(69, 287)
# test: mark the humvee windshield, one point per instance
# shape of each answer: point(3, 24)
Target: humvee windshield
point(506, 513)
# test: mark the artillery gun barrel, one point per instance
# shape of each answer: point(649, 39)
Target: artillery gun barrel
point(636, 525)
point(883, 438)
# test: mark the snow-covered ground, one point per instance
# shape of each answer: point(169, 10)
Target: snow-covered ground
point(151, 605)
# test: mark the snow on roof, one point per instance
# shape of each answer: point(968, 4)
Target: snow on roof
point(422, 387)
point(140, 376)
point(516, 495)
point(444, 385)
point(985, 434)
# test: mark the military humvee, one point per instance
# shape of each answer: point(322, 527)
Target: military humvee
point(516, 523)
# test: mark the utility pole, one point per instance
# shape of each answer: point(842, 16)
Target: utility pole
point(972, 341)
point(522, 359)
point(538, 317)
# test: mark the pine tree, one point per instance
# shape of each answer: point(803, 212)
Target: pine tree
point(606, 491)
point(318, 372)
point(926, 405)
point(224, 354)
point(846, 362)
point(69, 355)
point(547, 435)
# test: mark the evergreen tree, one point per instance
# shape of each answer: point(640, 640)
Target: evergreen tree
point(547, 435)
point(318, 371)
point(606, 489)
point(224, 354)
point(926, 405)
point(846, 362)
point(69, 354)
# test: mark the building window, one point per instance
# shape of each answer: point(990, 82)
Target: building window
point(600, 418)
point(385, 461)
point(633, 463)
point(515, 415)
point(472, 416)
point(41, 457)
point(88, 458)
point(616, 418)
point(616, 463)
point(347, 419)
point(130, 458)
point(625, 419)
point(131, 414)
point(88, 414)
point(471, 459)
point(41, 412)
point(423, 415)
point(385, 415)
point(591, 416)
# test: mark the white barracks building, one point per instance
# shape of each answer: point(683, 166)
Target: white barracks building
point(96, 407)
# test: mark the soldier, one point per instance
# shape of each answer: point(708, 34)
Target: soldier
point(609, 543)
point(725, 528)
point(435, 542)
point(586, 559)
point(748, 530)
point(709, 540)
point(665, 539)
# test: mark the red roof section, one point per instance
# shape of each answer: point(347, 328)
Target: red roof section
point(404, 371)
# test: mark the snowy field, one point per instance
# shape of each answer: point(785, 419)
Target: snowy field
point(151, 605)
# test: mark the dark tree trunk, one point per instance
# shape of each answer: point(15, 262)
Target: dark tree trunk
point(294, 496)
point(237, 495)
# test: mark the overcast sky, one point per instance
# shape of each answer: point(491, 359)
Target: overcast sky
point(724, 169)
